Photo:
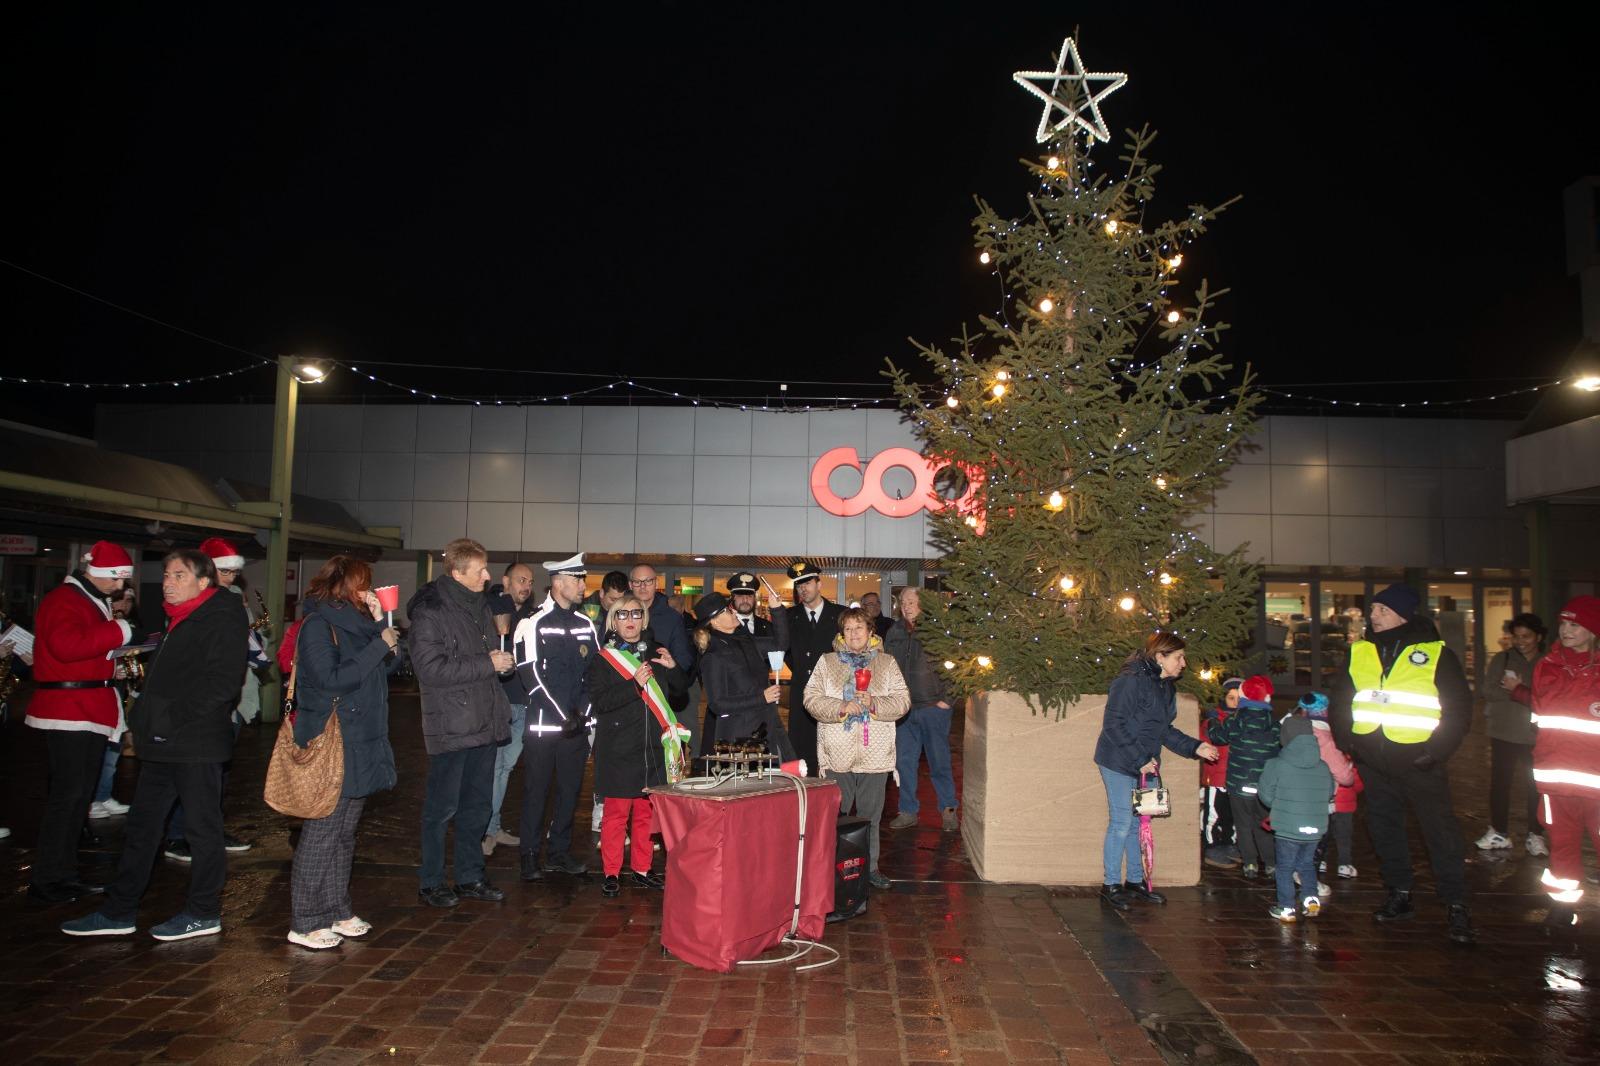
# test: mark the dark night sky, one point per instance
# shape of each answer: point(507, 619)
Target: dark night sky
point(751, 191)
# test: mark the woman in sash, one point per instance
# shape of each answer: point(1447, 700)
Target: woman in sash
point(637, 740)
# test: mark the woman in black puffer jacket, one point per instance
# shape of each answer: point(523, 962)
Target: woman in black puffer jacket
point(740, 695)
point(1140, 708)
point(344, 656)
point(628, 756)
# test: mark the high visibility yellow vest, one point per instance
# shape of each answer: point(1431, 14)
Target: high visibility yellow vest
point(1406, 703)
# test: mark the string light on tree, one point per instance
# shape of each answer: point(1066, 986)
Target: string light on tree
point(1127, 603)
point(1067, 583)
point(985, 258)
point(1173, 318)
point(1047, 305)
point(951, 402)
point(1056, 501)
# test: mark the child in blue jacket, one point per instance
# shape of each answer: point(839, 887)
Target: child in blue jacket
point(1297, 785)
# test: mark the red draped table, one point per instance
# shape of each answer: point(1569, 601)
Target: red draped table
point(731, 855)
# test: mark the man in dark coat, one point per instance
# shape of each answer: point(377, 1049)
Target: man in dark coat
point(743, 588)
point(465, 716)
point(813, 623)
point(183, 729)
point(553, 647)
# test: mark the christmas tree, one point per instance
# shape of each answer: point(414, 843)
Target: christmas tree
point(1091, 420)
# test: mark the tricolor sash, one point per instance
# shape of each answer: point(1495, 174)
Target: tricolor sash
point(673, 735)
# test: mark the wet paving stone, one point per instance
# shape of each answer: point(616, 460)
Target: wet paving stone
point(941, 969)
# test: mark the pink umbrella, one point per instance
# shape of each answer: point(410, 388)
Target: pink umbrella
point(1147, 847)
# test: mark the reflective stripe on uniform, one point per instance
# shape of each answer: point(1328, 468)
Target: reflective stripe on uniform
point(1548, 817)
point(1571, 725)
point(1401, 721)
point(1562, 889)
point(544, 729)
point(1567, 777)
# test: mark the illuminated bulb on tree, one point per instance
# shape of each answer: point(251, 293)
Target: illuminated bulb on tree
point(1161, 483)
point(1057, 501)
point(984, 258)
point(1067, 584)
point(1207, 674)
point(951, 401)
point(999, 389)
point(972, 520)
point(1126, 603)
point(1002, 375)
point(1111, 227)
point(1172, 317)
point(1047, 305)
point(985, 662)
point(1175, 262)
point(948, 665)
point(1165, 578)
point(1053, 162)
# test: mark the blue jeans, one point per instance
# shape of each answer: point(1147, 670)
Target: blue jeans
point(505, 757)
point(108, 772)
point(1296, 857)
point(1122, 833)
point(459, 784)
point(924, 731)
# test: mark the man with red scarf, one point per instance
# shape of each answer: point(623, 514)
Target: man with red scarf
point(182, 726)
point(76, 707)
point(1566, 753)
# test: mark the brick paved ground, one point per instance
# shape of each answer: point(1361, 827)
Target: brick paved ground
point(942, 969)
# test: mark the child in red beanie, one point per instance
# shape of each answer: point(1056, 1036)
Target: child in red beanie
point(1251, 736)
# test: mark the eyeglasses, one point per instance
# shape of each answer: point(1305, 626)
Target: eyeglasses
point(645, 582)
point(630, 614)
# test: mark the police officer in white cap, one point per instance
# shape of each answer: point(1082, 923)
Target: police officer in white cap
point(553, 648)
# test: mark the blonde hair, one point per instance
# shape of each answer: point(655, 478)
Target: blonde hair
point(611, 615)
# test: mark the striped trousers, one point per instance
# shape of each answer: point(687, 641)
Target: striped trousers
point(319, 887)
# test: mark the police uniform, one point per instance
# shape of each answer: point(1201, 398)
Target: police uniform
point(553, 647)
point(809, 641)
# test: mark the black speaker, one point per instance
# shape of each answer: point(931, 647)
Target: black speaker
point(850, 869)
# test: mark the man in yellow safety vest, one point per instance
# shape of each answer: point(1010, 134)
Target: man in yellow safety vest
point(1403, 708)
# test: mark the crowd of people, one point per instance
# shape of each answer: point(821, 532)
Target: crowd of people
point(1281, 790)
point(619, 673)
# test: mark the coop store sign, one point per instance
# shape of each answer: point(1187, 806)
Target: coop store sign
point(872, 494)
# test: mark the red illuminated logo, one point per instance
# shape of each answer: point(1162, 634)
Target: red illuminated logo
point(872, 494)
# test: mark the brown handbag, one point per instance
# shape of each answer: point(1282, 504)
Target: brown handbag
point(305, 782)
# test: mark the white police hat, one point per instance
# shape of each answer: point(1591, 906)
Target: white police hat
point(573, 566)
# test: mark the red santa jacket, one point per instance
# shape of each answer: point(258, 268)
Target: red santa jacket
point(73, 631)
point(1566, 708)
point(1214, 774)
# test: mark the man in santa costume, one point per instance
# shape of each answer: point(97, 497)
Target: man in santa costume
point(229, 563)
point(77, 707)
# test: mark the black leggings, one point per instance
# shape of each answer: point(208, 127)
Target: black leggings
point(1511, 767)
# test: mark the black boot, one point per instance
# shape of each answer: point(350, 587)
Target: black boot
point(1562, 920)
point(1461, 930)
point(1115, 896)
point(530, 867)
point(1137, 891)
point(1397, 908)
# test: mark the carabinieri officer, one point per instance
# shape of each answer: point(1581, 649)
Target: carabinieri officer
point(553, 648)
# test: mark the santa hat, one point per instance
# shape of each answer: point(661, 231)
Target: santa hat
point(106, 559)
point(224, 555)
point(1257, 689)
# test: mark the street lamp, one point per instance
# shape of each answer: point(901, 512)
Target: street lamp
point(292, 371)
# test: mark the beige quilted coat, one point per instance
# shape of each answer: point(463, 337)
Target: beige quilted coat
point(841, 751)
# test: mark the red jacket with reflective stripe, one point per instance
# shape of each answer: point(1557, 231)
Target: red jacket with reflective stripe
point(1566, 687)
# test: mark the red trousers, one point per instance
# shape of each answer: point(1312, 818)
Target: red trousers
point(1567, 818)
point(614, 827)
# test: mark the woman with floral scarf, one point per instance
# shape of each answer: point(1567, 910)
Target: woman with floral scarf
point(856, 694)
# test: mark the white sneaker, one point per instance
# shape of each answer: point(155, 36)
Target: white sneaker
point(1493, 840)
point(97, 810)
point(1322, 867)
point(1536, 845)
point(1311, 906)
point(1324, 889)
point(110, 803)
point(4, 833)
point(1347, 872)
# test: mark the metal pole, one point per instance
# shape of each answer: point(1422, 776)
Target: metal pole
point(283, 413)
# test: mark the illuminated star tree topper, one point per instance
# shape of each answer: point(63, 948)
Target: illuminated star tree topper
point(1072, 92)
